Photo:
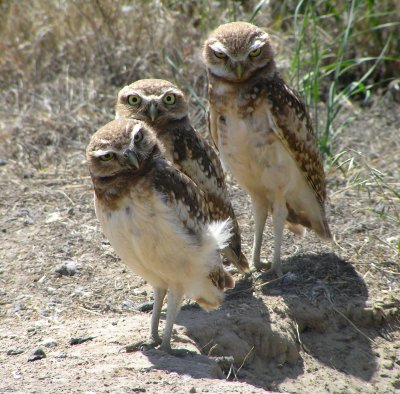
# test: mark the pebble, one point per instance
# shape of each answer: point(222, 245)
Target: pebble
point(138, 292)
point(51, 291)
point(144, 307)
point(49, 342)
point(79, 340)
point(127, 304)
point(38, 354)
point(388, 364)
point(14, 351)
point(289, 278)
point(17, 375)
point(68, 268)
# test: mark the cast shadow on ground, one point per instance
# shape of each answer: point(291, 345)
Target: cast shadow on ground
point(243, 330)
point(326, 298)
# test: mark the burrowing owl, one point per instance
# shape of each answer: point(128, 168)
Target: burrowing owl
point(264, 135)
point(157, 220)
point(163, 106)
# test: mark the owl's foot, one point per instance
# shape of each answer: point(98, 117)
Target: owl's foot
point(260, 266)
point(176, 352)
point(271, 272)
point(142, 346)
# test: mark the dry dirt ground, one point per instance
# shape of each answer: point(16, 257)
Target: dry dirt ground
point(330, 325)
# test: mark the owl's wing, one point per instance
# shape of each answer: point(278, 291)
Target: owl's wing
point(181, 194)
point(293, 126)
point(212, 126)
point(197, 159)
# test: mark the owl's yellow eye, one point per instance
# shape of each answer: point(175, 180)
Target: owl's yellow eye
point(220, 55)
point(255, 53)
point(138, 136)
point(169, 99)
point(134, 100)
point(107, 157)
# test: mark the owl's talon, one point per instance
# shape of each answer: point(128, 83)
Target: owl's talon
point(259, 266)
point(141, 346)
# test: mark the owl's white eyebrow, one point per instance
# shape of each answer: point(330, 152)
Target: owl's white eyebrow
point(135, 129)
point(256, 45)
point(102, 152)
point(170, 90)
point(128, 93)
point(218, 47)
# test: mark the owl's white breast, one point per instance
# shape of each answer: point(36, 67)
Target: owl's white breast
point(256, 157)
point(146, 234)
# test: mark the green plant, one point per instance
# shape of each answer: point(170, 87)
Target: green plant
point(329, 64)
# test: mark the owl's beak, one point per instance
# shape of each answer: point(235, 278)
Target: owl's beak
point(239, 70)
point(132, 158)
point(153, 112)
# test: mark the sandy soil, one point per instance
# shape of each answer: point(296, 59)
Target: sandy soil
point(330, 325)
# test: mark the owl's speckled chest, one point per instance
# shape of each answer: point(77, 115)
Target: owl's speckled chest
point(248, 145)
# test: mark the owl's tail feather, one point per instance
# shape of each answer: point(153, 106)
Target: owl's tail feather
point(296, 229)
point(325, 232)
point(209, 293)
point(240, 262)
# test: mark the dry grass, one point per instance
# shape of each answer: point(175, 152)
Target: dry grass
point(63, 62)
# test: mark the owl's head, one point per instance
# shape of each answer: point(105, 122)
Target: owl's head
point(122, 146)
point(236, 51)
point(154, 101)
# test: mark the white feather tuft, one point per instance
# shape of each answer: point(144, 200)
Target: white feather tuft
point(222, 232)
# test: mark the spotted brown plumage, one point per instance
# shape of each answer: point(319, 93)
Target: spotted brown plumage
point(185, 148)
point(264, 135)
point(157, 220)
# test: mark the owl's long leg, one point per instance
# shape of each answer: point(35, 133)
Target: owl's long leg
point(159, 295)
point(260, 213)
point(155, 340)
point(175, 298)
point(279, 215)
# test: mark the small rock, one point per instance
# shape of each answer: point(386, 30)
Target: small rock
point(388, 364)
point(289, 278)
point(3, 162)
point(144, 307)
point(62, 355)
point(49, 342)
point(224, 362)
point(18, 307)
point(68, 268)
point(14, 351)
point(51, 291)
point(17, 375)
point(127, 304)
point(138, 292)
point(79, 340)
point(38, 354)
point(193, 390)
